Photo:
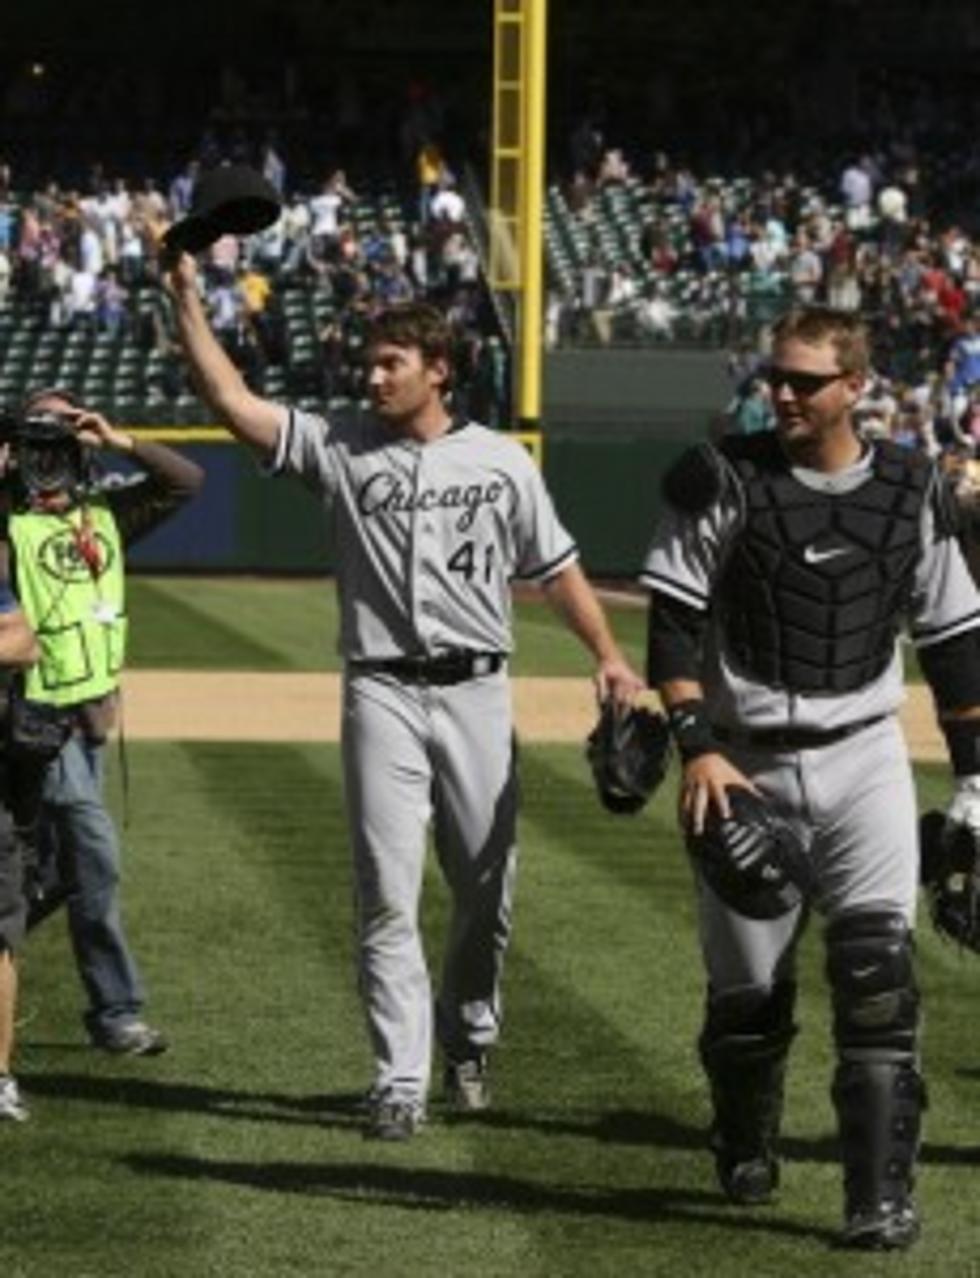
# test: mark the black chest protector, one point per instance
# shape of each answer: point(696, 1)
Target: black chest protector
point(817, 583)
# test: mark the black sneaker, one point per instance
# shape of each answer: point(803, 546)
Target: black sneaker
point(390, 1119)
point(466, 1086)
point(887, 1227)
point(134, 1038)
point(750, 1183)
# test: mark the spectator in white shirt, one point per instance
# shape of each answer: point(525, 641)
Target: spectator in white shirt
point(448, 205)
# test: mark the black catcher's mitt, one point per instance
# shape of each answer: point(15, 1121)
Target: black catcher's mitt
point(753, 860)
point(628, 751)
point(951, 876)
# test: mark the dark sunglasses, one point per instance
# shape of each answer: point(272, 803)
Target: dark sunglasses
point(800, 383)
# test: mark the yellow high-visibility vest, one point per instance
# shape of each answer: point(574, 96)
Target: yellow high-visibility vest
point(71, 586)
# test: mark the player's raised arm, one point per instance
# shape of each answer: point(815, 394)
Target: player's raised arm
point(251, 419)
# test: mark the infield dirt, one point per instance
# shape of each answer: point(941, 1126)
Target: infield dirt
point(230, 706)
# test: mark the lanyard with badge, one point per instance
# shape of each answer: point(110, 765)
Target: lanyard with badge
point(90, 553)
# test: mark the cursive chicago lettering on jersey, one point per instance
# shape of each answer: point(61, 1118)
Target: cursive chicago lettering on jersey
point(385, 493)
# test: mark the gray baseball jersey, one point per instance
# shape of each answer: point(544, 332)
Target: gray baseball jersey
point(428, 537)
point(853, 801)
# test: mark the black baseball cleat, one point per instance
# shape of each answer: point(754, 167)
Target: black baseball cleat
point(393, 1120)
point(751, 1182)
point(887, 1227)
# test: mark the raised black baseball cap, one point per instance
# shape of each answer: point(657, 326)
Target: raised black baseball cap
point(232, 199)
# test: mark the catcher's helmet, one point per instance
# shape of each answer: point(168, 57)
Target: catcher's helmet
point(753, 859)
point(950, 872)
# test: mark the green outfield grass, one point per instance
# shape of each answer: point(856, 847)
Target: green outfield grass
point(241, 623)
point(239, 1154)
point(207, 623)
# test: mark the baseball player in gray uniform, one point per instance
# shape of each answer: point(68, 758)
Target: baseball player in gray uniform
point(781, 571)
point(432, 517)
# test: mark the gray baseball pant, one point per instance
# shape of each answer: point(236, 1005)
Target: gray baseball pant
point(415, 754)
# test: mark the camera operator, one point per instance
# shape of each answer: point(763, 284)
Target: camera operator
point(18, 648)
point(64, 540)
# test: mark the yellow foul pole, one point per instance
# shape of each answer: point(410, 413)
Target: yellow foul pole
point(506, 174)
point(534, 69)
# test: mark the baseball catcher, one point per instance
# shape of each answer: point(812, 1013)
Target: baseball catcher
point(951, 877)
point(783, 569)
point(629, 752)
point(752, 858)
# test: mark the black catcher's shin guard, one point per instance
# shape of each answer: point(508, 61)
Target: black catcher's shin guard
point(744, 1048)
point(878, 1093)
point(879, 1113)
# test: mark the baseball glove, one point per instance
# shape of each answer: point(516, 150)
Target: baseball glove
point(753, 859)
point(951, 876)
point(628, 751)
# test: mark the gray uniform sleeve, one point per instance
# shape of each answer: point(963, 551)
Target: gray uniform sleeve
point(543, 546)
point(307, 449)
point(945, 601)
point(686, 554)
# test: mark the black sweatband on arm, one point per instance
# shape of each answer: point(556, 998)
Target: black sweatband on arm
point(963, 742)
point(691, 728)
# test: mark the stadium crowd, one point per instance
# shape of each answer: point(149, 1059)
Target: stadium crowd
point(86, 260)
point(664, 255)
point(674, 255)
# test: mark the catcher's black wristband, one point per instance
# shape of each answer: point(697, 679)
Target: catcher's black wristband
point(963, 742)
point(692, 730)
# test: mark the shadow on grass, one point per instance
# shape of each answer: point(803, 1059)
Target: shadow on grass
point(345, 1111)
point(342, 1110)
point(428, 1189)
point(56, 1045)
point(616, 1127)
point(634, 1127)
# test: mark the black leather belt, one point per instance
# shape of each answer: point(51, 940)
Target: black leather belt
point(440, 671)
point(793, 738)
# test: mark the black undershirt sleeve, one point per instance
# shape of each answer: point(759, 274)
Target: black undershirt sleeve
point(952, 670)
point(675, 638)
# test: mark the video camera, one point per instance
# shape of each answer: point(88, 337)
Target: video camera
point(46, 456)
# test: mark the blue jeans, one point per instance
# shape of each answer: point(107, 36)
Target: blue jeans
point(78, 835)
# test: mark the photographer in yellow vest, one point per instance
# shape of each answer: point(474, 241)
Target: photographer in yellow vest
point(66, 534)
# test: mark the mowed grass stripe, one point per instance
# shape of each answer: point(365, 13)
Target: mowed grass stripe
point(184, 627)
point(232, 623)
point(239, 1152)
point(248, 623)
point(204, 623)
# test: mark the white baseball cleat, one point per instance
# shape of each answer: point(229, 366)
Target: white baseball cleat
point(12, 1107)
point(467, 1086)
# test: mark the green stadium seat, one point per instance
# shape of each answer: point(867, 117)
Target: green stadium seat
point(158, 411)
point(125, 411)
point(189, 411)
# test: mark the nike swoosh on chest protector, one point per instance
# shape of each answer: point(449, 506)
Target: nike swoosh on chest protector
point(812, 555)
